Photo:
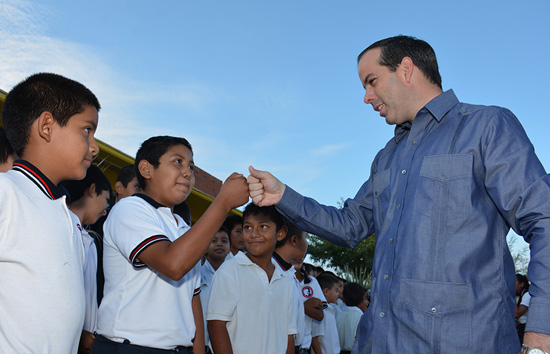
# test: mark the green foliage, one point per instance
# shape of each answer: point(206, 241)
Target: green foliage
point(353, 264)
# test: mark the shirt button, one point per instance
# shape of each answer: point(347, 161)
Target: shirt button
point(434, 310)
point(403, 172)
point(413, 142)
point(398, 206)
point(391, 240)
point(386, 277)
point(382, 314)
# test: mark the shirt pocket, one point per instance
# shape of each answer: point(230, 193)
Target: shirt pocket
point(444, 187)
point(381, 192)
point(434, 317)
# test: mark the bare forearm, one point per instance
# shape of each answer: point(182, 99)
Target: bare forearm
point(198, 343)
point(290, 347)
point(316, 346)
point(219, 337)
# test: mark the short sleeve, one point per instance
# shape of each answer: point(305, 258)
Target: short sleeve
point(132, 226)
point(223, 295)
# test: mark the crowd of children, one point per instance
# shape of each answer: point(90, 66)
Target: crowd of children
point(145, 281)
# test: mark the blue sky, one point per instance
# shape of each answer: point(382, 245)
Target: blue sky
point(274, 84)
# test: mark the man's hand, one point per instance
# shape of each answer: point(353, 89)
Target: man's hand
point(234, 191)
point(264, 188)
point(538, 340)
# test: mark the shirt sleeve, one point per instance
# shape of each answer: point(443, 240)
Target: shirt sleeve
point(131, 227)
point(223, 295)
point(520, 188)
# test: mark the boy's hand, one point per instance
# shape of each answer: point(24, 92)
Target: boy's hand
point(234, 191)
point(264, 188)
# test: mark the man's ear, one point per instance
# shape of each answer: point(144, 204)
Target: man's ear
point(145, 168)
point(45, 125)
point(407, 68)
point(281, 234)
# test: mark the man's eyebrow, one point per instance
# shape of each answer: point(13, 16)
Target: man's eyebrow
point(367, 78)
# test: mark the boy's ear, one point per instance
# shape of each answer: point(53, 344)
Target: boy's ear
point(281, 234)
point(119, 187)
point(145, 168)
point(325, 291)
point(46, 123)
point(91, 190)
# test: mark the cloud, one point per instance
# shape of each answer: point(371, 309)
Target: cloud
point(330, 149)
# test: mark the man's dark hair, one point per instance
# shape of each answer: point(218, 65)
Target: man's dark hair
point(6, 150)
point(94, 175)
point(153, 148)
point(126, 174)
point(42, 92)
point(269, 211)
point(394, 49)
point(327, 280)
point(291, 230)
point(354, 294)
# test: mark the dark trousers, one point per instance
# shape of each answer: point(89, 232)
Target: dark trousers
point(103, 345)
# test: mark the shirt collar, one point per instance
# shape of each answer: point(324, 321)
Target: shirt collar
point(150, 200)
point(438, 107)
point(282, 263)
point(38, 178)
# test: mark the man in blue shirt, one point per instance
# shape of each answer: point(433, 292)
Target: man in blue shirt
point(441, 198)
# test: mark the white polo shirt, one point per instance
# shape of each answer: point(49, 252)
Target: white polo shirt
point(260, 314)
point(90, 281)
point(298, 299)
point(329, 341)
point(347, 322)
point(139, 304)
point(41, 266)
point(207, 273)
point(310, 288)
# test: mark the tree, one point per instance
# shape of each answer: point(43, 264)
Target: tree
point(520, 253)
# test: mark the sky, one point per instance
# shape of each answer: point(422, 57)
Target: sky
point(274, 84)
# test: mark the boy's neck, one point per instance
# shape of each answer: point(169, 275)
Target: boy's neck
point(153, 195)
point(43, 166)
point(263, 262)
point(215, 263)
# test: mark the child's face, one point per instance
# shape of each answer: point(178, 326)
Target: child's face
point(171, 182)
point(219, 247)
point(332, 294)
point(97, 206)
point(132, 188)
point(74, 145)
point(260, 235)
point(300, 251)
point(237, 242)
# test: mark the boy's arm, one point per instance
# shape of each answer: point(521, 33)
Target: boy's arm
point(314, 308)
point(290, 349)
point(219, 337)
point(198, 342)
point(175, 259)
point(316, 346)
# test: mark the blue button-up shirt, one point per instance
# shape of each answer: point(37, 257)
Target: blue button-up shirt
point(441, 198)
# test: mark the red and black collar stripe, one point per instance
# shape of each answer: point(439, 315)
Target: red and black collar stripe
point(284, 264)
point(38, 178)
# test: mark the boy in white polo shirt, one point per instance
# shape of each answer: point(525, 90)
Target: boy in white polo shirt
point(50, 121)
point(251, 308)
point(89, 199)
point(151, 256)
point(328, 331)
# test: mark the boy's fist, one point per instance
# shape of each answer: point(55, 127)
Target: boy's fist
point(234, 191)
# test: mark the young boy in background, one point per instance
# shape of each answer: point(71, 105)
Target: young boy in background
point(328, 335)
point(89, 199)
point(126, 183)
point(355, 303)
point(151, 256)
point(215, 256)
point(234, 225)
point(50, 122)
point(251, 308)
point(7, 154)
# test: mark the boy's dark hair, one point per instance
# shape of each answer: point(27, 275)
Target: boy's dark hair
point(269, 211)
point(153, 148)
point(38, 93)
point(94, 175)
point(6, 150)
point(327, 280)
point(354, 294)
point(291, 230)
point(224, 229)
point(307, 268)
point(230, 222)
point(183, 210)
point(126, 174)
point(394, 49)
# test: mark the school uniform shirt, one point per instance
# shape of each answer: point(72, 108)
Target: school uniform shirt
point(347, 322)
point(41, 266)
point(259, 312)
point(141, 305)
point(298, 299)
point(207, 273)
point(310, 288)
point(525, 300)
point(90, 281)
point(330, 344)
